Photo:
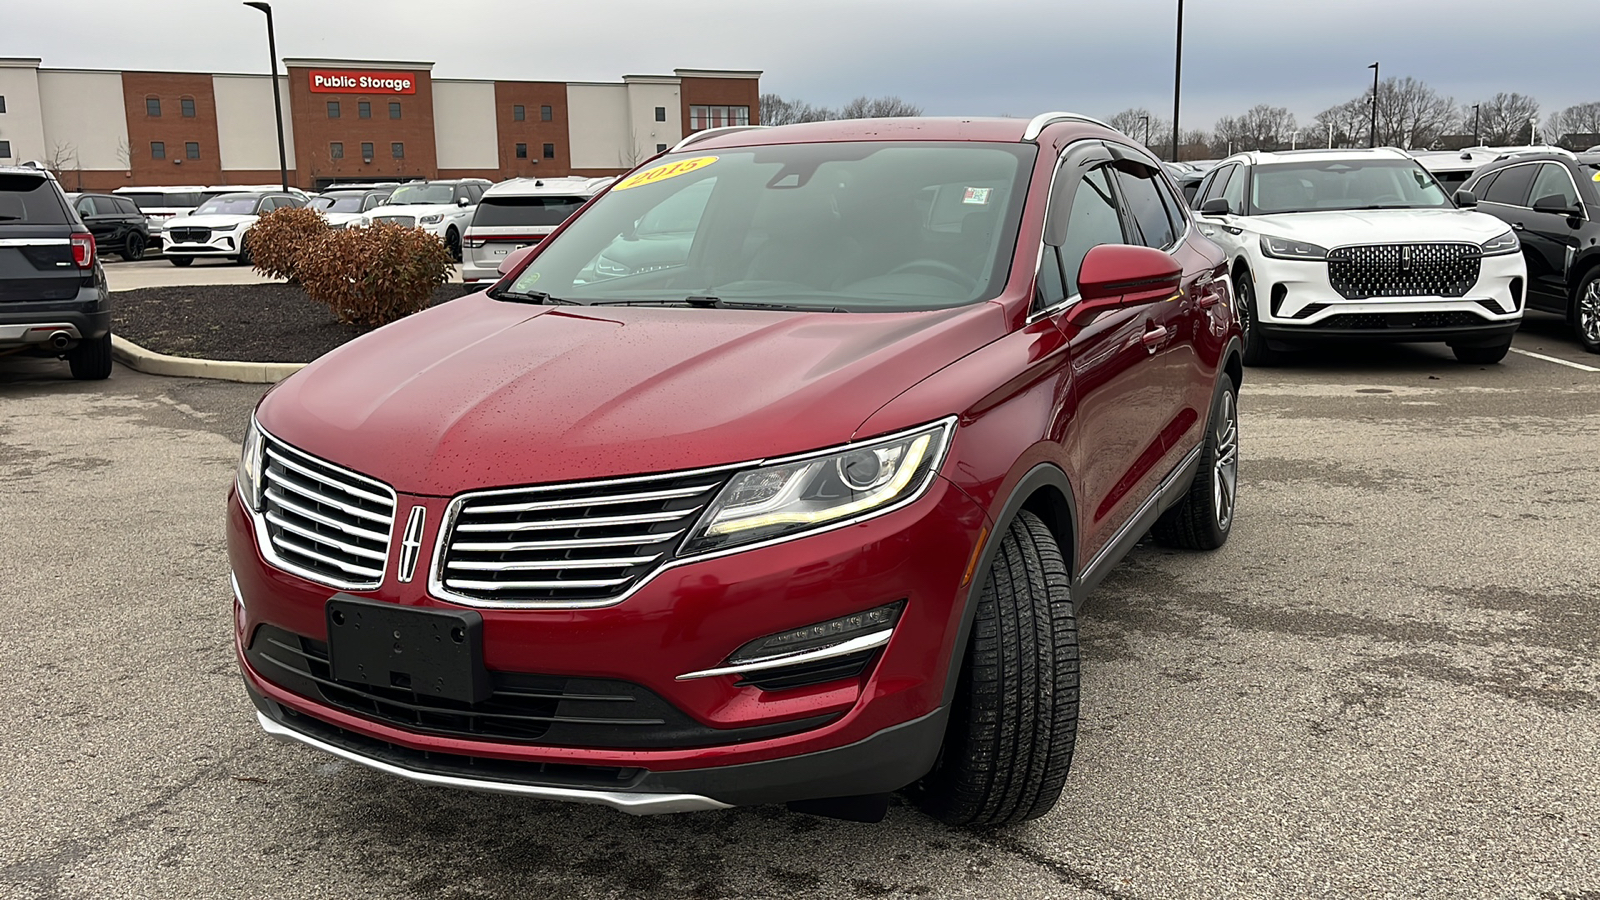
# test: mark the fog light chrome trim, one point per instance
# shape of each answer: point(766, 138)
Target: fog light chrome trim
point(854, 645)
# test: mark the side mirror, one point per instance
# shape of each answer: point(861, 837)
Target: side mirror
point(1466, 199)
point(1216, 206)
point(1555, 204)
point(1114, 276)
point(463, 201)
point(514, 259)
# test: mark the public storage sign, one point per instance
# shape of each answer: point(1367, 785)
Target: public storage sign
point(326, 81)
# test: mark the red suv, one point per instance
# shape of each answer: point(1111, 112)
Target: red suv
point(801, 511)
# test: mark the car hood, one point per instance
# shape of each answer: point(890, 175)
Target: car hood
point(1381, 226)
point(418, 210)
point(208, 221)
point(480, 393)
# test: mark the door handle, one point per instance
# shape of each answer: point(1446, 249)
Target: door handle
point(1154, 338)
point(1517, 226)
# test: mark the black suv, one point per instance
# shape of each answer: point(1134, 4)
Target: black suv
point(1552, 202)
point(53, 298)
point(116, 223)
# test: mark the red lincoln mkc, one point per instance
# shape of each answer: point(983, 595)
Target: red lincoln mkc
point(777, 474)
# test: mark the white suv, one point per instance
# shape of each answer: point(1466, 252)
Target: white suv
point(441, 208)
point(220, 226)
point(519, 213)
point(1360, 245)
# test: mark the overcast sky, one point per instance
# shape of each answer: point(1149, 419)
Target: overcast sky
point(952, 57)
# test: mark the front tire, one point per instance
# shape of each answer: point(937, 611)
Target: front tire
point(1483, 356)
point(1203, 519)
point(452, 241)
point(1585, 315)
point(91, 359)
point(244, 258)
point(133, 247)
point(181, 261)
point(1256, 351)
point(1014, 722)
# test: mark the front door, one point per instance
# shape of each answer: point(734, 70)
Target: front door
point(1550, 240)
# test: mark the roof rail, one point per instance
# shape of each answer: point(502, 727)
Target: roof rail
point(1037, 124)
point(699, 136)
point(1509, 152)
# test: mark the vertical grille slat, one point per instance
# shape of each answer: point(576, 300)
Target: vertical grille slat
point(325, 522)
point(585, 543)
point(1404, 270)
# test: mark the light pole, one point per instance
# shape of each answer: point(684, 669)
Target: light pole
point(277, 99)
point(1533, 130)
point(1372, 137)
point(1177, 83)
point(1146, 121)
point(1294, 139)
point(1476, 140)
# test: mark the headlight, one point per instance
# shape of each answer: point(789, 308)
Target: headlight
point(432, 219)
point(250, 467)
point(1500, 246)
point(819, 491)
point(225, 227)
point(1283, 248)
point(362, 222)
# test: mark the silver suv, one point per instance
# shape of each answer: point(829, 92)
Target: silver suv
point(519, 213)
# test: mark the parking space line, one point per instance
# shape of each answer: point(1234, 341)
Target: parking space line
point(1557, 361)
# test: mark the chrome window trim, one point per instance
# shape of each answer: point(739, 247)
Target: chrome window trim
point(258, 522)
point(438, 590)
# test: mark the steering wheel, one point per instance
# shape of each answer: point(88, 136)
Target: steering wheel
point(938, 268)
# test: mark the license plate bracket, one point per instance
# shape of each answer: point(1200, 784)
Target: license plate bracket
point(435, 653)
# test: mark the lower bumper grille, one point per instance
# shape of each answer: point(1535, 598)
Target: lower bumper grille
point(1381, 321)
point(524, 708)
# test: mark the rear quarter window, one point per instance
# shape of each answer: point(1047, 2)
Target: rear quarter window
point(30, 200)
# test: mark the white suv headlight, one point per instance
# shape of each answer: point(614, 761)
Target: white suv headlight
point(251, 464)
point(432, 219)
point(1502, 245)
point(822, 490)
point(1283, 248)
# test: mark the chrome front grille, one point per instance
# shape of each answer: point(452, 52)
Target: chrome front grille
point(323, 521)
point(570, 545)
point(1404, 270)
point(402, 221)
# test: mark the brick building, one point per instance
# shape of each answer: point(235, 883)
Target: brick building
point(348, 120)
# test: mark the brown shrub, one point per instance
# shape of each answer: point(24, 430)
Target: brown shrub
point(374, 275)
point(281, 238)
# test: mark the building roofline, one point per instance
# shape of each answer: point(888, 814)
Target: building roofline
point(20, 62)
point(717, 73)
point(379, 64)
point(651, 79)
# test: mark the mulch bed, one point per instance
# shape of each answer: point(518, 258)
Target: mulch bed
point(244, 322)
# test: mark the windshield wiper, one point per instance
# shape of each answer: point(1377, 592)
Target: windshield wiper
point(538, 297)
point(706, 302)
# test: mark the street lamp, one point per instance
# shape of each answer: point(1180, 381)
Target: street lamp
point(1372, 137)
point(1476, 140)
point(1177, 83)
point(1146, 121)
point(277, 99)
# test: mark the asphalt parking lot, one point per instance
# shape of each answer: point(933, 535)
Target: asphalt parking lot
point(1386, 685)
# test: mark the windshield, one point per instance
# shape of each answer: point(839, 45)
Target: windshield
point(229, 205)
point(868, 226)
point(1344, 184)
point(501, 211)
point(421, 194)
point(337, 203)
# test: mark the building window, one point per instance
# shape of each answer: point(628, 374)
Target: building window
point(2, 103)
point(394, 110)
point(191, 150)
point(333, 109)
point(661, 148)
point(5, 148)
point(546, 114)
point(397, 150)
point(186, 106)
point(519, 113)
point(661, 114)
point(336, 150)
point(152, 107)
point(364, 110)
point(703, 117)
point(522, 151)
point(366, 150)
point(549, 151)
point(158, 150)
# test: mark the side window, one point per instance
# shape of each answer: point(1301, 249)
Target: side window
point(1553, 181)
point(1233, 191)
point(1050, 289)
point(461, 193)
point(1175, 205)
point(1511, 186)
point(1481, 187)
point(85, 206)
point(267, 204)
point(371, 201)
point(1093, 220)
point(1204, 188)
point(1145, 206)
point(127, 207)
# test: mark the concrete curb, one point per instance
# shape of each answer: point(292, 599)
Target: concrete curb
point(141, 360)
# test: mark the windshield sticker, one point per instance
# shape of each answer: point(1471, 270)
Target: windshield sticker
point(662, 173)
point(976, 196)
point(1597, 176)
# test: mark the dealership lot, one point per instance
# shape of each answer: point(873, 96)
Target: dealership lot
point(1385, 684)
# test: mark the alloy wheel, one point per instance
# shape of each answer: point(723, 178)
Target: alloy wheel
point(1225, 475)
point(1589, 311)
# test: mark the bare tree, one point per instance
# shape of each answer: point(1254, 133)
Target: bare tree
point(124, 153)
point(1506, 119)
point(1411, 114)
point(878, 108)
point(63, 158)
point(775, 110)
point(1348, 122)
point(1143, 126)
point(1262, 127)
point(1577, 127)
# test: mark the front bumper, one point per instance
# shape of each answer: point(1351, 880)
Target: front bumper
point(1297, 303)
point(874, 733)
point(220, 243)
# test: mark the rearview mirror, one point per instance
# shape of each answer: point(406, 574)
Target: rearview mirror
point(1466, 199)
point(1216, 206)
point(1114, 276)
point(514, 259)
point(1555, 204)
